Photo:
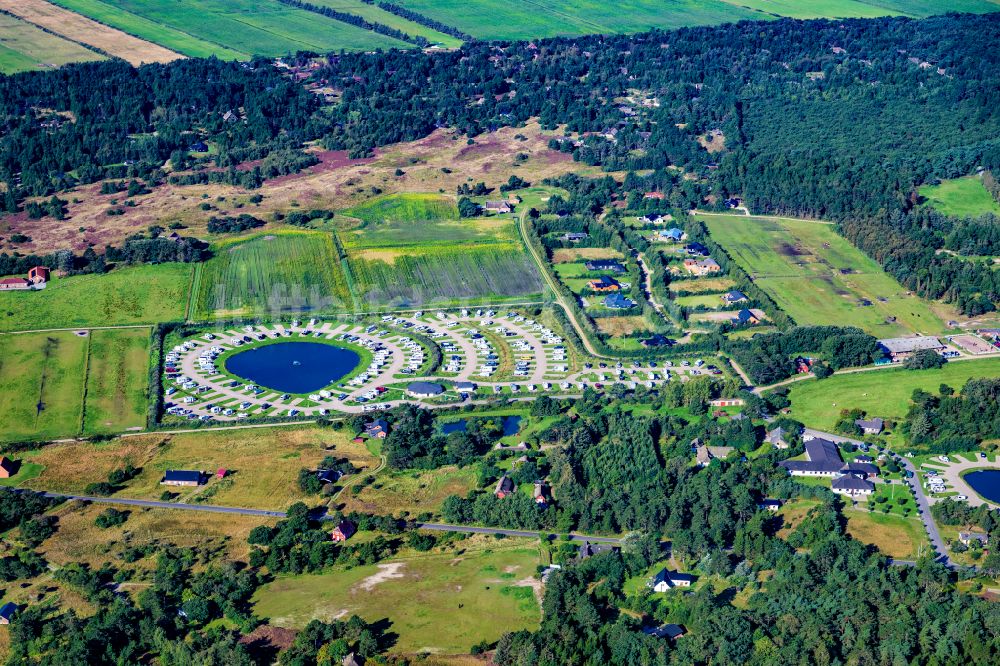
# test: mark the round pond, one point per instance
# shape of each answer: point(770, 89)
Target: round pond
point(293, 367)
point(986, 482)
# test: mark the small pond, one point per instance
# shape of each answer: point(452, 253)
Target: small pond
point(985, 482)
point(293, 367)
point(511, 424)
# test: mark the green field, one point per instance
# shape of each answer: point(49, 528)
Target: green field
point(442, 603)
point(117, 378)
point(41, 385)
point(128, 295)
point(884, 393)
point(961, 197)
point(810, 9)
point(817, 277)
point(287, 271)
point(374, 14)
point(231, 28)
point(24, 47)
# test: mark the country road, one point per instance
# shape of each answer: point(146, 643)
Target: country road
point(263, 513)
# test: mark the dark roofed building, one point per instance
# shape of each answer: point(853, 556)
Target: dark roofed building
point(182, 477)
point(424, 390)
point(734, 296)
point(870, 426)
point(343, 531)
point(504, 487)
point(618, 302)
point(590, 549)
point(604, 283)
point(671, 631)
point(822, 459)
point(852, 485)
point(605, 265)
point(379, 428)
point(7, 612)
point(770, 504)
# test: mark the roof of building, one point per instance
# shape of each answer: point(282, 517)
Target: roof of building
point(820, 450)
point(425, 388)
point(696, 248)
point(504, 485)
point(656, 340)
point(775, 436)
point(14, 280)
point(907, 345)
point(378, 424)
point(7, 610)
point(735, 295)
point(7, 463)
point(709, 263)
point(465, 386)
point(973, 536)
point(590, 549)
point(183, 475)
point(767, 502)
point(870, 424)
point(867, 469)
point(743, 316)
point(618, 301)
point(605, 265)
point(851, 482)
point(821, 456)
point(674, 233)
point(671, 631)
point(606, 281)
point(347, 528)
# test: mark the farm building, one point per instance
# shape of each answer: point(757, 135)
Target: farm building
point(424, 390)
point(751, 317)
point(900, 349)
point(605, 265)
point(618, 302)
point(870, 426)
point(504, 487)
point(8, 467)
point(343, 531)
point(7, 612)
point(499, 206)
point(37, 277)
point(182, 477)
point(734, 296)
point(604, 283)
point(702, 267)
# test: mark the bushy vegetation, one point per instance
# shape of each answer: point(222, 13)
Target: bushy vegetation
point(953, 421)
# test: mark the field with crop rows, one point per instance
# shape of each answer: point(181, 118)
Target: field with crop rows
point(289, 271)
point(237, 27)
point(818, 277)
point(375, 14)
point(25, 47)
point(117, 377)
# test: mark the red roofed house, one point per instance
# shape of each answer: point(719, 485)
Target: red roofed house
point(7, 284)
point(504, 487)
point(343, 531)
point(654, 195)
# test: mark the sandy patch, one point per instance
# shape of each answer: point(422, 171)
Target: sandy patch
point(386, 572)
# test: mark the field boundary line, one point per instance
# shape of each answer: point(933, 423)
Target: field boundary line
point(86, 383)
point(766, 217)
point(194, 286)
point(88, 47)
point(76, 328)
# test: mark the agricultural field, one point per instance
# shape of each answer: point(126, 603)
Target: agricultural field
point(374, 14)
point(411, 491)
point(117, 379)
point(263, 463)
point(264, 27)
point(41, 385)
point(884, 393)
point(961, 197)
point(818, 277)
point(129, 295)
point(83, 30)
point(25, 47)
point(810, 9)
point(286, 271)
point(413, 248)
point(438, 603)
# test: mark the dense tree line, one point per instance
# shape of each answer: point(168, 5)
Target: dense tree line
point(953, 421)
point(769, 358)
point(416, 17)
point(355, 20)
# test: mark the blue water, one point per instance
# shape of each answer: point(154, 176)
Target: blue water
point(293, 367)
point(986, 483)
point(511, 424)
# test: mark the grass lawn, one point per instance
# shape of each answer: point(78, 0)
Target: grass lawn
point(961, 197)
point(621, 326)
point(413, 492)
point(818, 277)
point(438, 603)
point(41, 385)
point(117, 378)
point(884, 393)
point(895, 536)
point(286, 271)
point(713, 301)
point(130, 295)
point(263, 463)
point(718, 284)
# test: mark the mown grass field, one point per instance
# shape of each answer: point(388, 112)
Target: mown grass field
point(895, 536)
point(117, 379)
point(818, 277)
point(374, 14)
point(810, 9)
point(884, 393)
point(119, 16)
point(24, 47)
point(128, 295)
point(264, 27)
point(438, 603)
point(961, 197)
point(264, 463)
point(285, 271)
point(41, 385)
